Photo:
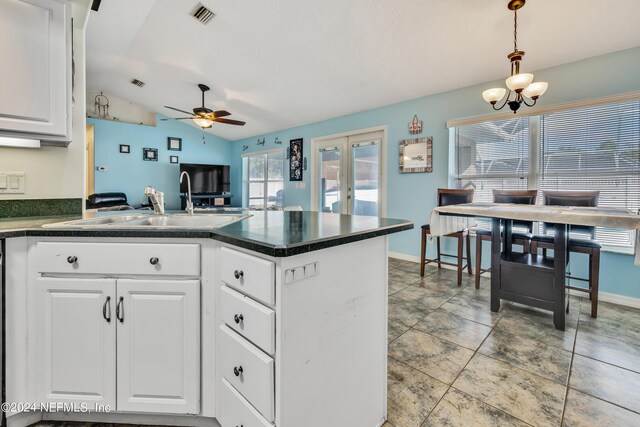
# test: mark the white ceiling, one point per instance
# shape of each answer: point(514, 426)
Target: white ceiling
point(281, 63)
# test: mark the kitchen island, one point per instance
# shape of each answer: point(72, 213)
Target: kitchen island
point(276, 319)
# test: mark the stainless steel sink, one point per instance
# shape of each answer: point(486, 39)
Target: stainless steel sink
point(147, 221)
point(183, 221)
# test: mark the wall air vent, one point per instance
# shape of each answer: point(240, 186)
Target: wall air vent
point(202, 14)
point(137, 82)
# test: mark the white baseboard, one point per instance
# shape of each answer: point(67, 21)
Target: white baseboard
point(602, 296)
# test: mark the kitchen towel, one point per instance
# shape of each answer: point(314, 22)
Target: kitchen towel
point(441, 225)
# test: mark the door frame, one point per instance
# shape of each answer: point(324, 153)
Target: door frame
point(382, 162)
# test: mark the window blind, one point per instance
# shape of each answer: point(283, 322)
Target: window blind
point(595, 148)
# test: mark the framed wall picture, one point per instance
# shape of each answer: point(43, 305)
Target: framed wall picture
point(295, 160)
point(174, 144)
point(416, 155)
point(173, 159)
point(125, 149)
point(150, 154)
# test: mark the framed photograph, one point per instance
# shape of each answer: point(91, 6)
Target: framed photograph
point(150, 154)
point(416, 155)
point(125, 149)
point(295, 159)
point(174, 144)
point(173, 159)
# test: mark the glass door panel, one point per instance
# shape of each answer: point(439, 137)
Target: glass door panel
point(330, 173)
point(364, 186)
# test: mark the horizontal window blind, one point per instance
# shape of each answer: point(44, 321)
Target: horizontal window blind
point(595, 148)
point(588, 148)
point(492, 155)
point(493, 149)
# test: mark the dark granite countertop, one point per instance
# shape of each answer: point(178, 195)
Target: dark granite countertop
point(273, 233)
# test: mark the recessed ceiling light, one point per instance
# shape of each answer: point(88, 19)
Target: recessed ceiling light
point(202, 14)
point(137, 82)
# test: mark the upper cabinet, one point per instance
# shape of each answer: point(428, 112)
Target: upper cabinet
point(36, 83)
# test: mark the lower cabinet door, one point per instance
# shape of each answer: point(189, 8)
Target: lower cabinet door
point(235, 411)
point(76, 341)
point(158, 352)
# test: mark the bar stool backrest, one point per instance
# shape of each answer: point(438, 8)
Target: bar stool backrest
point(450, 196)
point(519, 197)
point(572, 198)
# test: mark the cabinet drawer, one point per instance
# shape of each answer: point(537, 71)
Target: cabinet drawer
point(249, 318)
point(118, 258)
point(248, 370)
point(249, 274)
point(236, 411)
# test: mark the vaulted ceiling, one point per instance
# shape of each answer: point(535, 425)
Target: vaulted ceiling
point(281, 63)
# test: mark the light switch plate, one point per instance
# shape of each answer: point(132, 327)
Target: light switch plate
point(12, 182)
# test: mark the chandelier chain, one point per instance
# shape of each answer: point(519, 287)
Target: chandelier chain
point(515, 30)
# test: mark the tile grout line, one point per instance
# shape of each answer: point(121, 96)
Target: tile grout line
point(573, 354)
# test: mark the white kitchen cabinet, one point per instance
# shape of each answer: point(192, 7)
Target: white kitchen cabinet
point(77, 344)
point(158, 346)
point(36, 83)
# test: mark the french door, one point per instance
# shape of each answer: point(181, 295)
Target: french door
point(347, 175)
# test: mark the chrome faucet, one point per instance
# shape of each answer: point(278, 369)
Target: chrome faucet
point(157, 199)
point(189, 204)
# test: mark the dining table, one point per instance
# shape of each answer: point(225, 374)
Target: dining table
point(532, 279)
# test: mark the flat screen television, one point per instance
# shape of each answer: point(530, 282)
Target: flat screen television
point(206, 179)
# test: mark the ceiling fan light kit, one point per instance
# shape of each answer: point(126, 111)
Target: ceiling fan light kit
point(205, 117)
point(519, 83)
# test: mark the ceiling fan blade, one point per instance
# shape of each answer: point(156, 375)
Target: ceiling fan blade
point(221, 113)
point(178, 118)
point(177, 109)
point(229, 121)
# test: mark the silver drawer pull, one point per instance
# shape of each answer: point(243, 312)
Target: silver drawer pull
point(154, 261)
point(72, 259)
point(238, 274)
point(237, 370)
point(238, 318)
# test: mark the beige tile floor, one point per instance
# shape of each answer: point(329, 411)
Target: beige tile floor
point(452, 362)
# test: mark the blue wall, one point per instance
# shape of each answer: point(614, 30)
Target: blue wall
point(412, 196)
point(130, 174)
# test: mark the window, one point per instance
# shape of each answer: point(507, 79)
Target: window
point(589, 148)
point(264, 184)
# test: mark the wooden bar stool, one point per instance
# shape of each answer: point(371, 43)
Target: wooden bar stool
point(522, 197)
point(587, 246)
point(446, 197)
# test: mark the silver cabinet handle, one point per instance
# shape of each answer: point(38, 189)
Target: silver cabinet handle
point(72, 259)
point(106, 313)
point(238, 318)
point(154, 261)
point(237, 370)
point(238, 274)
point(120, 310)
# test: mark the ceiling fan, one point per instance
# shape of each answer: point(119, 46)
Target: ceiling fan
point(205, 117)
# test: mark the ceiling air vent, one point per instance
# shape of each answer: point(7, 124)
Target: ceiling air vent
point(137, 82)
point(202, 14)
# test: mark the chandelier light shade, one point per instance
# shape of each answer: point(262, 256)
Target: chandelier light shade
point(203, 123)
point(526, 91)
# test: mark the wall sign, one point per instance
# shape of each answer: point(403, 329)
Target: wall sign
point(295, 159)
point(416, 155)
point(415, 126)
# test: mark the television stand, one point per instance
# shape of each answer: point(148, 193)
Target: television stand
point(206, 200)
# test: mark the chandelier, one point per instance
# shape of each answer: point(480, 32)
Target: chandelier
point(520, 83)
